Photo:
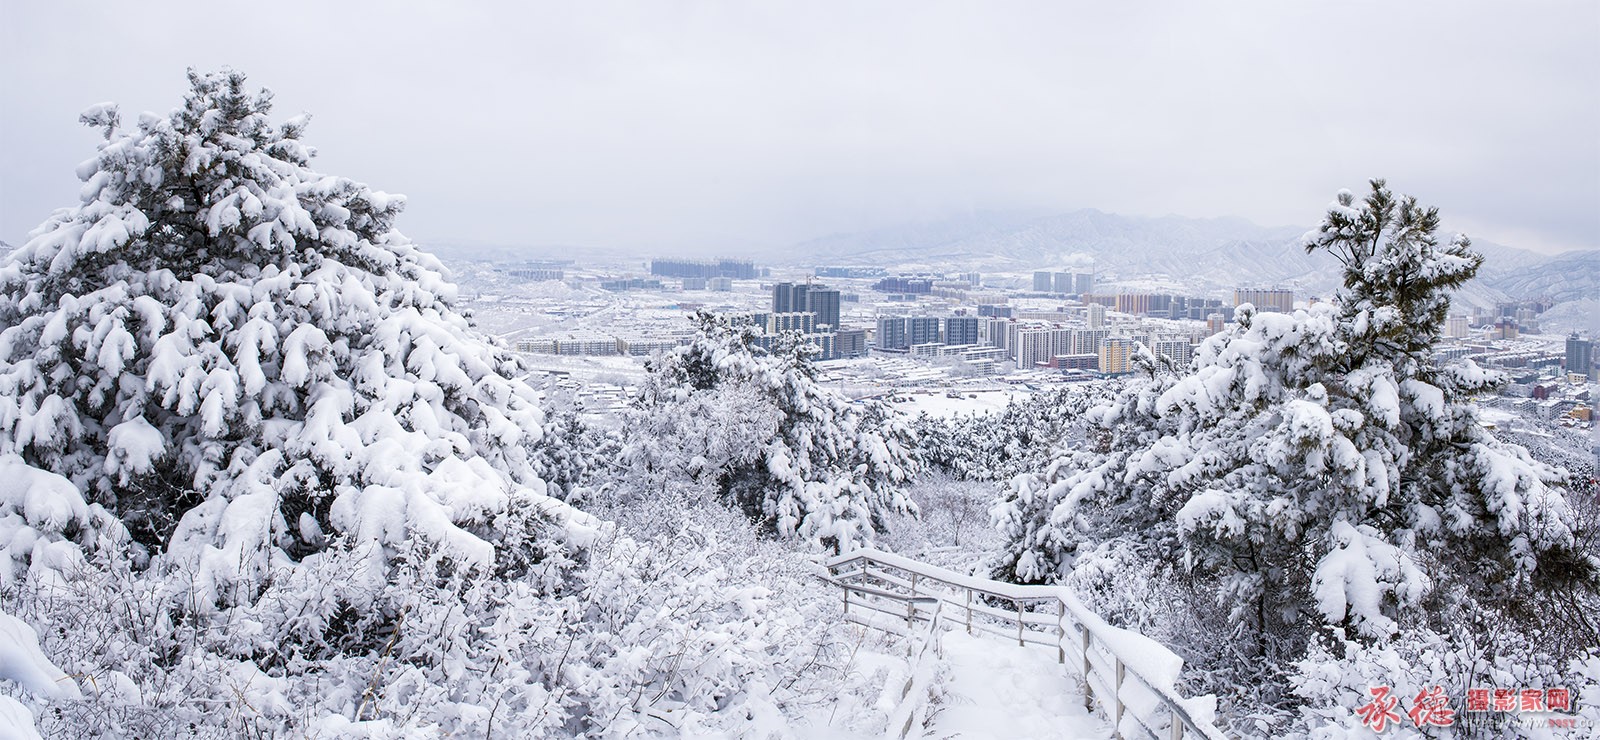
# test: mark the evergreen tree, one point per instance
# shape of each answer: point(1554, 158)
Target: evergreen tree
point(1315, 468)
point(1021, 438)
point(243, 359)
point(574, 453)
point(723, 416)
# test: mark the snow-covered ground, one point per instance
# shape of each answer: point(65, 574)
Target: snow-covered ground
point(994, 689)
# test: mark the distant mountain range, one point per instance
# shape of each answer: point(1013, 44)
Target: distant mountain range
point(1569, 276)
point(1202, 254)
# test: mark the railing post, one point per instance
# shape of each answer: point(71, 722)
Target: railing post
point(1088, 689)
point(846, 589)
point(969, 611)
point(911, 616)
point(1116, 695)
point(1177, 725)
point(913, 584)
point(1018, 602)
point(1061, 632)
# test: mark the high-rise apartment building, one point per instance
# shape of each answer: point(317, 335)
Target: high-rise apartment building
point(827, 343)
point(784, 298)
point(851, 342)
point(961, 330)
point(824, 302)
point(905, 285)
point(1032, 348)
point(819, 300)
point(1116, 356)
point(703, 268)
point(990, 309)
point(1036, 346)
point(804, 322)
point(1045, 281)
point(1179, 351)
point(1097, 316)
point(892, 333)
point(1270, 299)
point(1086, 341)
point(1580, 356)
point(994, 332)
point(922, 329)
point(1008, 336)
point(1133, 303)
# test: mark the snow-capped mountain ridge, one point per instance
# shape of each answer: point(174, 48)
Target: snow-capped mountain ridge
point(1208, 253)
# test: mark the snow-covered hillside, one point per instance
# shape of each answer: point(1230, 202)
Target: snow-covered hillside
point(253, 457)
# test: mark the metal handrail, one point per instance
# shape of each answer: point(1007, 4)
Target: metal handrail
point(923, 581)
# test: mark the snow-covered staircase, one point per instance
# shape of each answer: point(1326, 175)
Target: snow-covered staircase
point(1126, 677)
point(994, 689)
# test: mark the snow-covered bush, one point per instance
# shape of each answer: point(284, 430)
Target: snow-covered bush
point(1317, 473)
point(689, 630)
point(722, 418)
point(1335, 678)
point(45, 525)
point(24, 665)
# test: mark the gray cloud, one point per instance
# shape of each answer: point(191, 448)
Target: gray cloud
point(675, 125)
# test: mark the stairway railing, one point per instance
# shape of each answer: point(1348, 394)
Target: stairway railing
point(885, 610)
point(1131, 675)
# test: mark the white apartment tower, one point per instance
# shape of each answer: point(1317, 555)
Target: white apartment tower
point(1097, 316)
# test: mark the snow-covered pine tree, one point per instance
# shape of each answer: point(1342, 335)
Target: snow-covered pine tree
point(1021, 438)
point(243, 359)
point(724, 417)
point(574, 451)
point(1319, 468)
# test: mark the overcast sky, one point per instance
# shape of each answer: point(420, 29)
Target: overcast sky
point(675, 125)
